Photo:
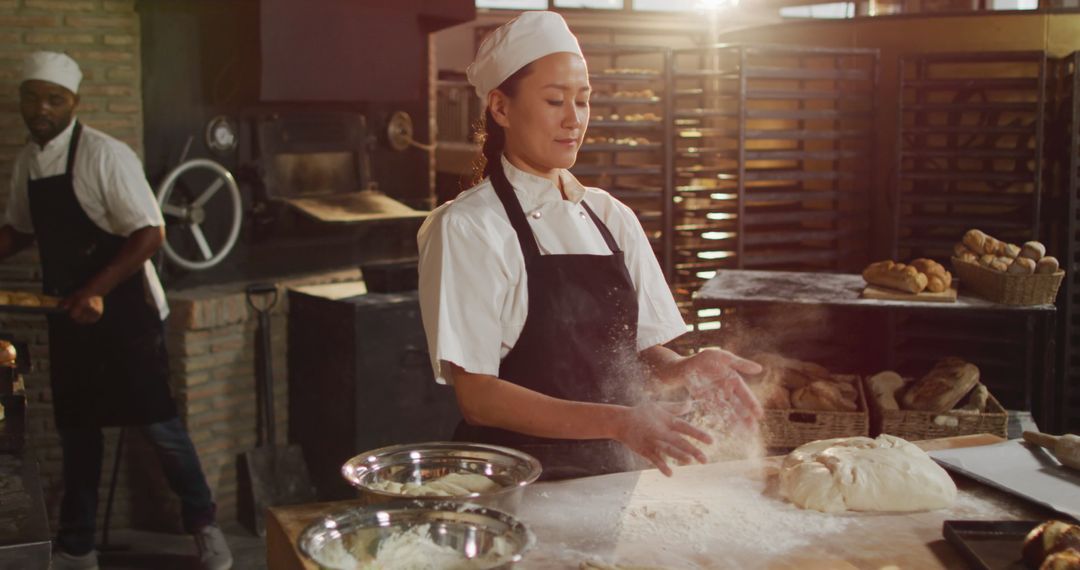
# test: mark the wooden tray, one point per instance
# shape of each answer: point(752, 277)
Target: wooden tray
point(28, 310)
point(884, 294)
point(989, 545)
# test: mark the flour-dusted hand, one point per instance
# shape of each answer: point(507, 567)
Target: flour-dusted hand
point(716, 376)
point(656, 432)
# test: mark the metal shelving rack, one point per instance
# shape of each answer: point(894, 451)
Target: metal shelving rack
point(773, 158)
point(1069, 249)
point(970, 139)
point(629, 158)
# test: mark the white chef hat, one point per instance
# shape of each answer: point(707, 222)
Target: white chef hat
point(53, 67)
point(517, 43)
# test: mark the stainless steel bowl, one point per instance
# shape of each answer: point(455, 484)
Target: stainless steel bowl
point(467, 536)
point(420, 463)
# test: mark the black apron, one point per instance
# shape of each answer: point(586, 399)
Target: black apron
point(115, 371)
point(579, 343)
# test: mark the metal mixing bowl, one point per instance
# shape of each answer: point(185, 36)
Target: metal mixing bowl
point(424, 462)
point(351, 538)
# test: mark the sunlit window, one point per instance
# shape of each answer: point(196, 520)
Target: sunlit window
point(666, 5)
point(594, 4)
point(1014, 4)
point(513, 4)
point(831, 10)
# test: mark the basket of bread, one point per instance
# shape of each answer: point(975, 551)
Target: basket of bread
point(805, 402)
point(949, 400)
point(1006, 273)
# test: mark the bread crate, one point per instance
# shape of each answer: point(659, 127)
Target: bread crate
point(914, 425)
point(790, 428)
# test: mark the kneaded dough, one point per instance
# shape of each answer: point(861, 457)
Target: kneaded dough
point(863, 474)
point(451, 485)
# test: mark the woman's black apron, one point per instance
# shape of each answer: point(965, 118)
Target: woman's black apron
point(579, 343)
point(115, 371)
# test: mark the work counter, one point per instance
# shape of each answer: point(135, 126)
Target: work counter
point(722, 515)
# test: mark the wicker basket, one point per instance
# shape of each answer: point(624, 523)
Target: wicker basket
point(791, 428)
point(914, 425)
point(1008, 288)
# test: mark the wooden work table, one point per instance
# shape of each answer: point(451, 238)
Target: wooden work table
point(593, 519)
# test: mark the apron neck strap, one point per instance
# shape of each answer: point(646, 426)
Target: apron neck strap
point(73, 146)
point(604, 231)
point(505, 192)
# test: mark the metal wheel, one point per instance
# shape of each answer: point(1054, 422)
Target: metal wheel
point(187, 212)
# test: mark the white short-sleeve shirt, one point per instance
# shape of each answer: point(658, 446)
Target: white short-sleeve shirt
point(473, 284)
point(109, 184)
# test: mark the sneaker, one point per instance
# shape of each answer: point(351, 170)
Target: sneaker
point(63, 561)
point(213, 550)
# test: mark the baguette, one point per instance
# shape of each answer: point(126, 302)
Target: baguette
point(975, 240)
point(895, 276)
point(1048, 264)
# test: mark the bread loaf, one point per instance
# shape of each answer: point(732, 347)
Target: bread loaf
point(994, 246)
point(986, 259)
point(1022, 265)
point(969, 257)
point(883, 389)
point(1048, 264)
point(938, 279)
point(1047, 539)
point(945, 385)
point(1011, 250)
point(1033, 250)
point(822, 396)
point(1063, 560)
point(788, 372)
point(1000, 264)
point(975, 240)
point(960, 250)
point(976, 400)
point(895, 276)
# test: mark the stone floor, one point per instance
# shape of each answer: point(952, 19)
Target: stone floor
point(161, 551)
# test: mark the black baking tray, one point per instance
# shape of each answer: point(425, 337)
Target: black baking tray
point(990, 545)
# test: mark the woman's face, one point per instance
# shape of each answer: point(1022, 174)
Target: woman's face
point(545, 120)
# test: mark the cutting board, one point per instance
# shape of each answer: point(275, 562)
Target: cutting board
point(885, 294)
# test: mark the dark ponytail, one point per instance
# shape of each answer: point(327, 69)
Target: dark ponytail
point(491, 136)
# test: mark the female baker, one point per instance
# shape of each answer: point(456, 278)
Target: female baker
point(543, 303)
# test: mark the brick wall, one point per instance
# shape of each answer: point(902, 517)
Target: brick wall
point(103, 36)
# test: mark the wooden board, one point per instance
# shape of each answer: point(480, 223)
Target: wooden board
point(884, 294)
point(579, 520)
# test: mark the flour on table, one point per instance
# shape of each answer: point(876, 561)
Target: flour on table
point(737, 510)
point(863, 474)
point(452, 485)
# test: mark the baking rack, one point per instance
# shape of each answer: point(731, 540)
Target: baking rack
point(970, 139)
point(773, 154)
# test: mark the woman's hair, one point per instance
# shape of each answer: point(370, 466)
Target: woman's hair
point(491, 135)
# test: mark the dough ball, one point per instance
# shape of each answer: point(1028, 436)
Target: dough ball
point(863, 474)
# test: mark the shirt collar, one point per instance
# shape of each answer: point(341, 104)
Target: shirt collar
point(536, 190)
point(59, 142)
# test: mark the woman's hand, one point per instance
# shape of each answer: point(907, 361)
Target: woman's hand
point(655, 432)
point(715, 374)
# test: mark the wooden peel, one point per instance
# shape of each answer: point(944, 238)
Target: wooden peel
point(1066, 448)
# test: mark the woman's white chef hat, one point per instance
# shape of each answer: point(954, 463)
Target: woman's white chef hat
point(53, 67)
point(517, 43)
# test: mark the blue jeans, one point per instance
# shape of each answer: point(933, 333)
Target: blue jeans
point(83, 449)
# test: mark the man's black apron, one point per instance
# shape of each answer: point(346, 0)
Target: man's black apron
point(115, 371)
point(579, 343)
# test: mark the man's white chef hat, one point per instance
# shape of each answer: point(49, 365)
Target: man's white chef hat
point(53, 67)
point(517, 43)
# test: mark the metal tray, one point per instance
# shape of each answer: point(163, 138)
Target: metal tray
point(989, 545)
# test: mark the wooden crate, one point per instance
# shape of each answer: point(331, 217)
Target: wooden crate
point(914, 425)
point(790, 428)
